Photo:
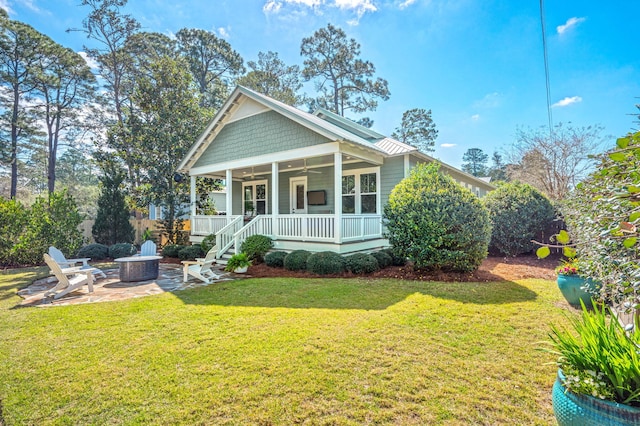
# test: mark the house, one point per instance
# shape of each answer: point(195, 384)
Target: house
point(310, 181)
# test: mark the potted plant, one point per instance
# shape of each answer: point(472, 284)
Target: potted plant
point(238, 263)
point(575, 288)
point(598, 380)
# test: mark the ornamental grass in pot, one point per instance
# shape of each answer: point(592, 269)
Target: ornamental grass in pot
point(599, 371)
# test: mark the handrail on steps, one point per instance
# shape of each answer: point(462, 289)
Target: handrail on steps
point(227, 233)
point(242, 233)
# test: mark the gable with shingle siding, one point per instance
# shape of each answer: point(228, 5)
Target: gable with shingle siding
point(259, 134)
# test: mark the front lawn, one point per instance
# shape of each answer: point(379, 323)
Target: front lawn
point(283, 351)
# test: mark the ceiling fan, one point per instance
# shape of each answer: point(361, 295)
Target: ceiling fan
point(305, 170)
point(253, 174)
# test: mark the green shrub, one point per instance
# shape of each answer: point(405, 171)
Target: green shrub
point(112, 219)
point(52, 221)
point(13, 220)
point(519, 213)
point(325, 262)
point(396, 259)
point(433, 221)
point(95, 251)
point(296, 260)
point(383, 258)
point(256, 246)
point(208, 242)
point(171, 250)
point(237, 261)
point(275, 259)
point(190, 252)
point(361, 263)
point(122, 250)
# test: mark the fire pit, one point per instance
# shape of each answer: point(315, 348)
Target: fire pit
point(138, 268)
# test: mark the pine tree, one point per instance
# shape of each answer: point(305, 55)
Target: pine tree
point(112, 220)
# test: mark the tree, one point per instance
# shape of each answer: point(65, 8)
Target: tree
point(66, 85)
point(475, 162)
point(272, 77)
point(417, 129)
point(498, 169)
point(76, 172)
point(168, 119)
point(343, 79)
point(554, 162)
point(212, 61)
point(21, 47)
point(112, 220)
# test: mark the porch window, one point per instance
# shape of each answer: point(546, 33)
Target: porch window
point(254, 197)
point(360, 191)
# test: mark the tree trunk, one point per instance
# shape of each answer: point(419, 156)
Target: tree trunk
point(14, 144)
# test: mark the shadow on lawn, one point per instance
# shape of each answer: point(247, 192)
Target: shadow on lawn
point(348, 293)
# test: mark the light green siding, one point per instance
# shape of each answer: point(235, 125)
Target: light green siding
point(315, 181)
point(259, 134)
point(391, 173)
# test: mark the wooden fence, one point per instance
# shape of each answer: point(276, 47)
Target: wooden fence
point(139, 225)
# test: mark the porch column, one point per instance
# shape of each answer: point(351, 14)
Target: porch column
point(275, 199)
point(193, 195)
point(229, 182)
point(407, 165)
point(337, 191)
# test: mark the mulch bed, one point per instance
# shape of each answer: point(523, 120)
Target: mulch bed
point(492, 269)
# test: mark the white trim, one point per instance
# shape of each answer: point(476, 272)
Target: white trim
point(293, 154)
point(255, 183)
point(229, 188)
point(357, 194)
point(337, 197)
point(275, 195)
point(407, 165)
point(292, 195)
point(192, 190)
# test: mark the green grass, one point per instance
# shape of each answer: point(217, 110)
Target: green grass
point(283, 351)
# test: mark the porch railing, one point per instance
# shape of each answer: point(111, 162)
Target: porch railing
point(207, 225)
point(260, 225)
point(307, 227)
point(361, 227)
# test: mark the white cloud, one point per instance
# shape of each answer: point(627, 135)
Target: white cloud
point(29, 4)
point(475, 117)
point(406, 3)
point(490, 100)
point(571, 22)
point(224, 32)
point(448, 145)
point(90, 61)
point(567, 101)
point(271, 6)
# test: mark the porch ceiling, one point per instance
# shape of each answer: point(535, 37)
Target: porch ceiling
point(263, 170)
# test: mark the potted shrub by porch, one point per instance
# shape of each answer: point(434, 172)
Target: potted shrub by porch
point(598, 379)
point(238, 263)
point(574, 287)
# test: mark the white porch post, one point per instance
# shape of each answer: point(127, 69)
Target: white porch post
point(192, 190)
point(275, 204)
point(337, 190)
point(229, 183)
point(407, 165)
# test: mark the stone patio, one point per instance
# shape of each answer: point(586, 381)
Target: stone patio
point(111, 288)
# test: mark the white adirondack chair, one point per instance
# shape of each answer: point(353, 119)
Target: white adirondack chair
point(201, 268)
point(148, 248)
point(64, 263)
point(69, 279)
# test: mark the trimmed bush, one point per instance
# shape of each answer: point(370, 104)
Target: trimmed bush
point(325, 262)
point(396, 259)
point(171, 250)
point(361, 263)
point(519, 213)
point(190, 252)
point(296, 260)
point(122, 250)
point(256, 246)
point(383, 258)
point(95, 251)
point(208, 242)
point(275, 259)
point(437, 223)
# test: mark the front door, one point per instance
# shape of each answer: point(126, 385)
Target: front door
point(298, 191)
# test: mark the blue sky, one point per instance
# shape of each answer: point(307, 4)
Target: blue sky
point(477, 64)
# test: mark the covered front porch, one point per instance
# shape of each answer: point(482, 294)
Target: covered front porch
point(326, 197)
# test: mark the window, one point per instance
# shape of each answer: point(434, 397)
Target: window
point(360, 191)
point(254, 198)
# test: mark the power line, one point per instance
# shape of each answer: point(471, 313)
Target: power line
point(546, 65)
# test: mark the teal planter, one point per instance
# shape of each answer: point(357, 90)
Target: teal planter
point(571, 287)
point(581, 410)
